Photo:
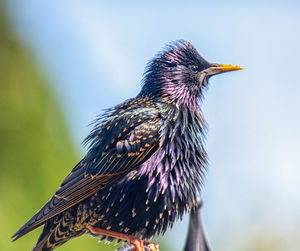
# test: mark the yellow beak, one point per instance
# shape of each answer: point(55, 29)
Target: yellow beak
point(220, 68)
point(228, 67)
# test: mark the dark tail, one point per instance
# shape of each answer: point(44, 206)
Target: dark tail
point(57, 231)
point(38, 219)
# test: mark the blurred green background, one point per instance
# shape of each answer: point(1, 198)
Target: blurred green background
point(35, 151)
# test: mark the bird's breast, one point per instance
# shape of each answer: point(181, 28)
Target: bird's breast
point(149, 199)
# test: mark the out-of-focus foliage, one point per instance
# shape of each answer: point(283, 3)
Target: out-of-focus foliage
point(35, 150)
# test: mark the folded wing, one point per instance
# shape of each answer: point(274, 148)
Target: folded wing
point(119, 143)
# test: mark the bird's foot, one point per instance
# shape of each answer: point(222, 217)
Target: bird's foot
point(138, 243)
point(152, 246)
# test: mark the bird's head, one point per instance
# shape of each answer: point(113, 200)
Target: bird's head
point(179, 74)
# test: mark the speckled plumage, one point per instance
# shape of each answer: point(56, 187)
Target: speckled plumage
point(145, 162)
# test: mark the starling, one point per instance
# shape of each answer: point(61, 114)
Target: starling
point(145, 161)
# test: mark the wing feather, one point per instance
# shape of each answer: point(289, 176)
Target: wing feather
point(105, 163)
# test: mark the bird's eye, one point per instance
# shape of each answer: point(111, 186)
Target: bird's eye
point(194, 68)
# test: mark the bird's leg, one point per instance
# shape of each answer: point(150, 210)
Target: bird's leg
point(139, 244)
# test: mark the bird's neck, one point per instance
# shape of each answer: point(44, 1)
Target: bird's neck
point(183, 102)
point(168, 91)
point(185, 116)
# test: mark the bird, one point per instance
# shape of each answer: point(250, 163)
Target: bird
point(145, 161)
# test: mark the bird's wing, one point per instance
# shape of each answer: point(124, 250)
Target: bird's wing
point(118, 145)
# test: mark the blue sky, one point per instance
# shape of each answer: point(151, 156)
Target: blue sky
point(94, 54)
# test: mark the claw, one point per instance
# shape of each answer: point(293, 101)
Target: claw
point(139, 246)
point(153, 246)
point(138, 243)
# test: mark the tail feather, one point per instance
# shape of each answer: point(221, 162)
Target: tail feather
point(57, 231)
point(38, 219)
point(24, 230)
point(43, 245)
